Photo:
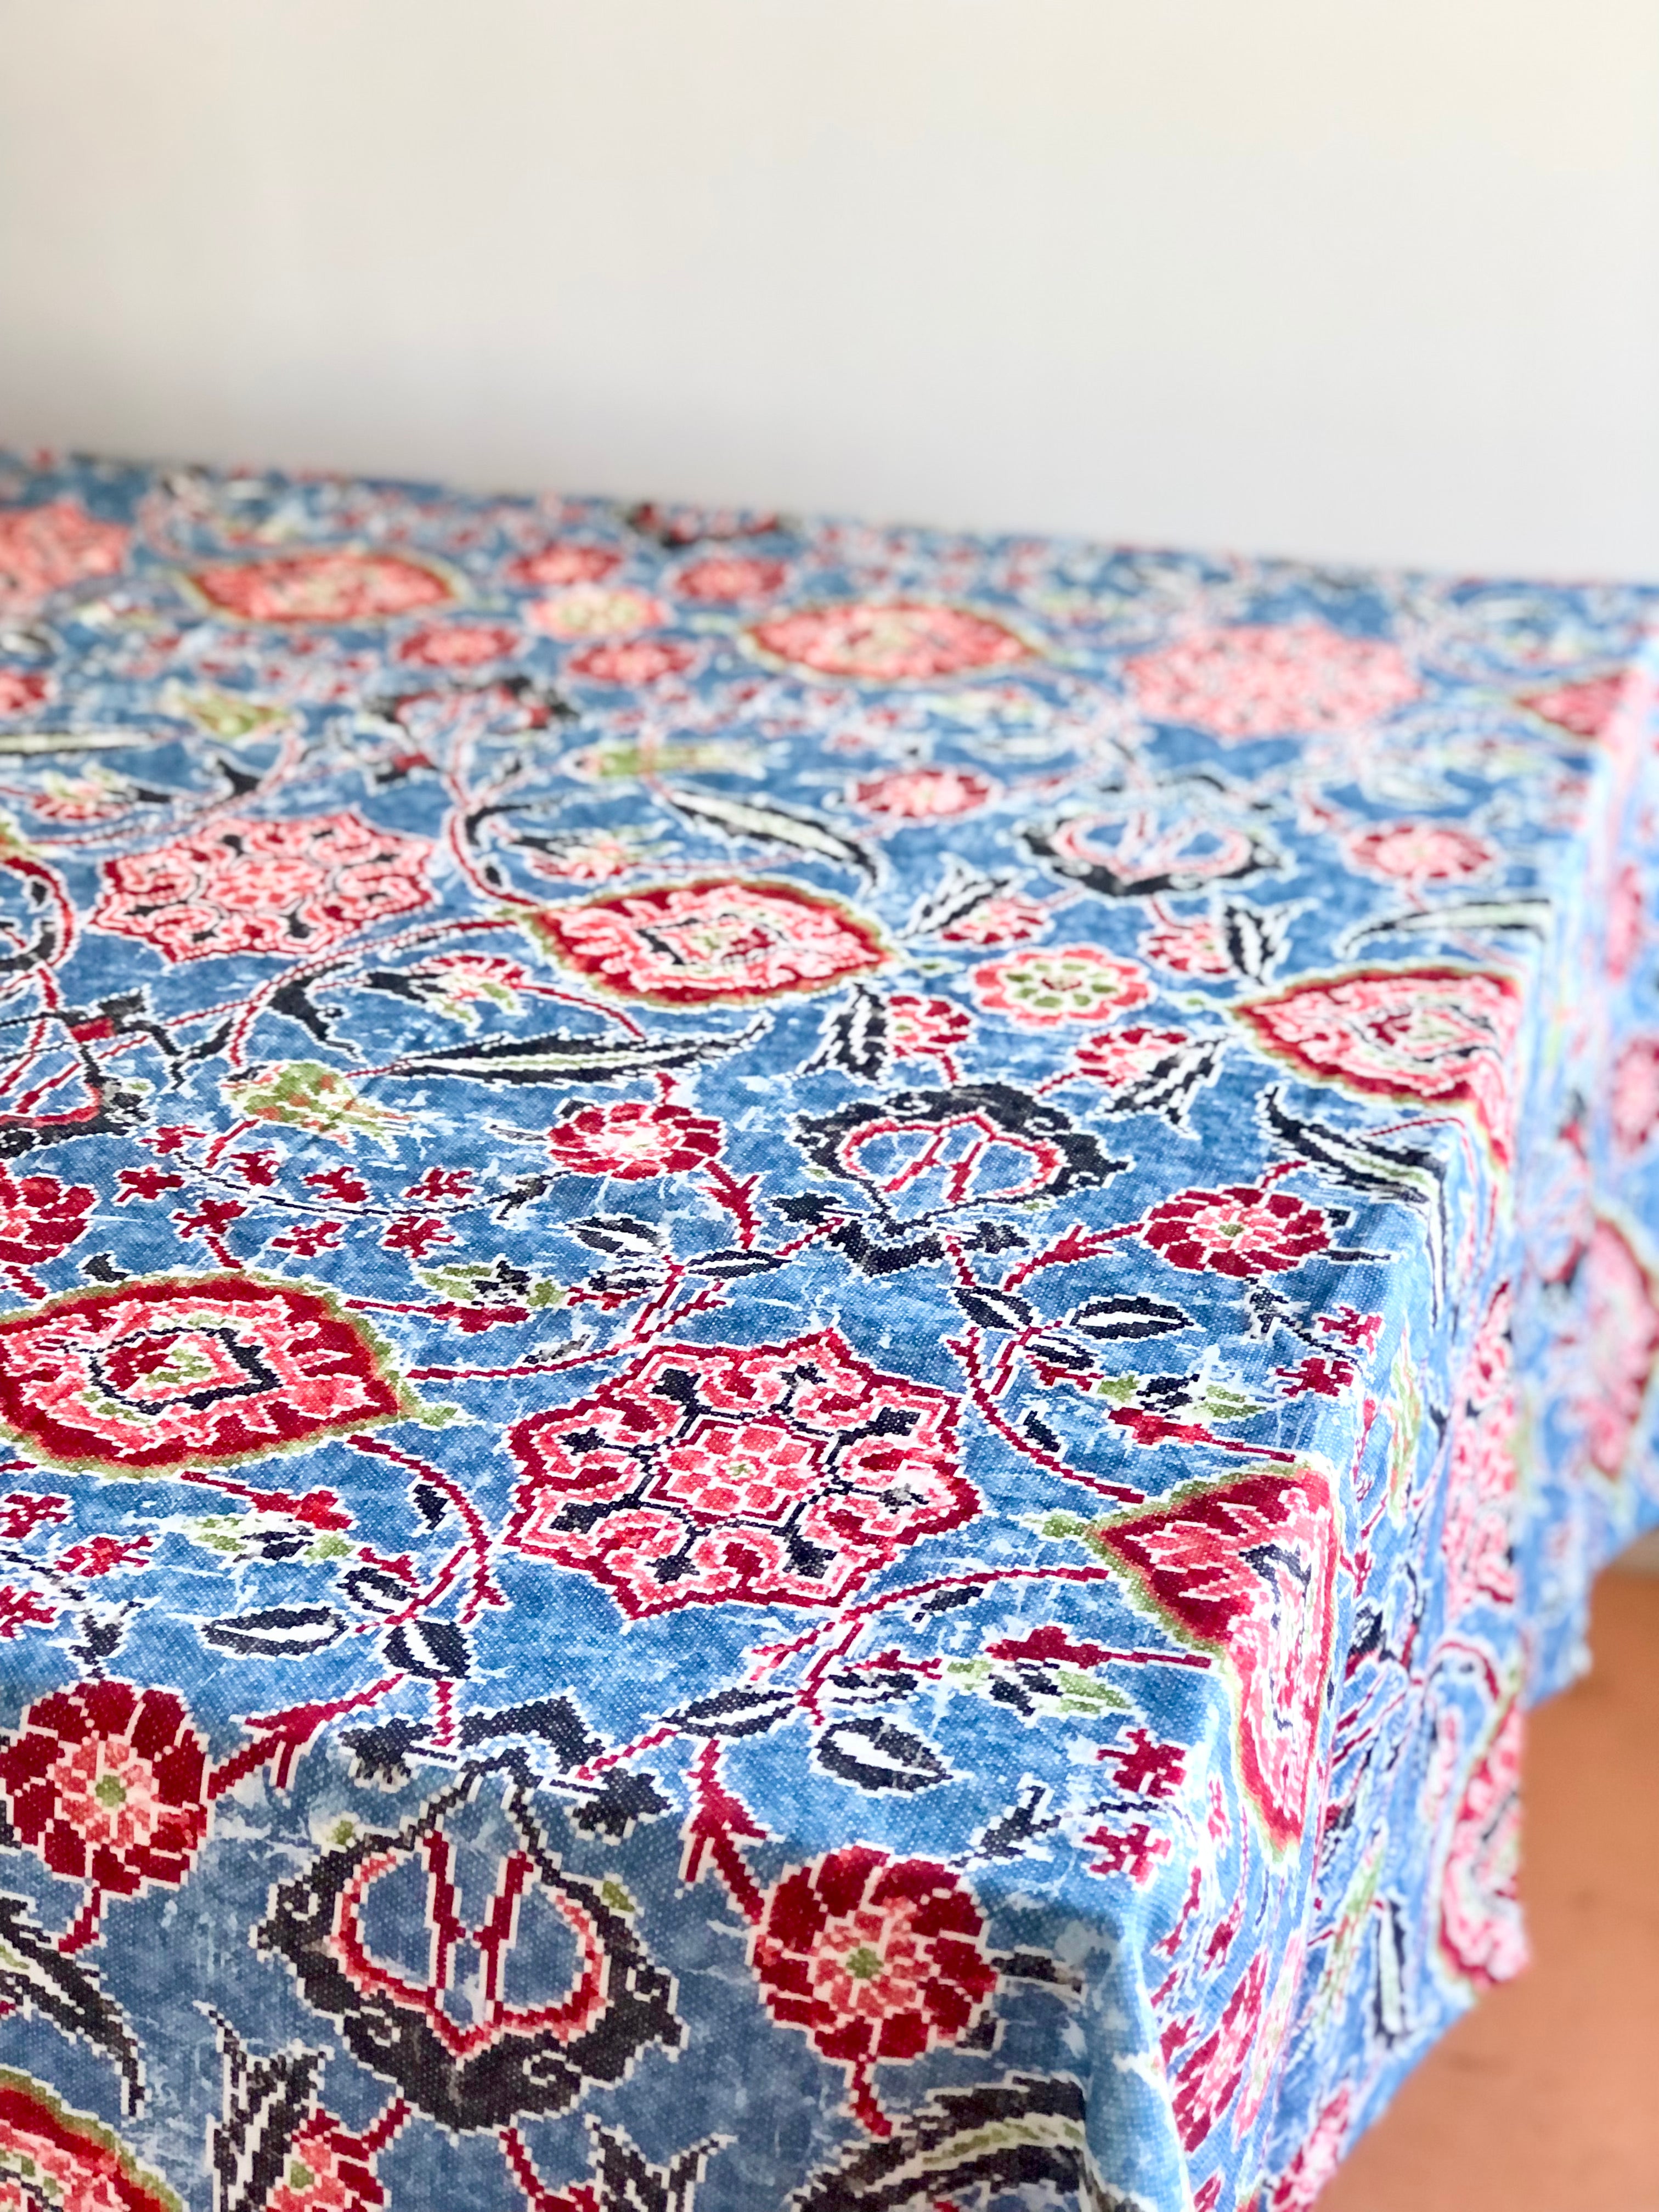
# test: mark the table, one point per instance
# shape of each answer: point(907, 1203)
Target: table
point(813, 1331)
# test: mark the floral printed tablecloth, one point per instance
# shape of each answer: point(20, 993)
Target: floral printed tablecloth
point(810, 1334)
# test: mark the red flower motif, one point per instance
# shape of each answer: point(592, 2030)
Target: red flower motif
point(40, 1217)
point(107, 1782)
point(44, 549)
point(633, 660)
point(770, 1474)
point(566, 564)
point(239, 885)
point(324, 2169)
point(53, 2160)
point(1482, 1935)
point(723, 577)
point(186, 1370)
point(874, 1959)
point(1237, 1230)
point(923, 794)
point(1062, 983)
point(1120, 1057)
point(718, 941)
point(1583, 709)
point(633, 1141)
point(457, 645)
point(328, 587)
point(1439, 1033)
point(903, 641)
point(23, 690)
point(1270, 682)
point(1421, 852)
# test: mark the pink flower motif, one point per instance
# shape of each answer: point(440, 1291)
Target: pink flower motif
point(633, 1142)
point(1421, 852)
point(765, 1475)
point(164, 1372)
point(321, 587)
point(1627, 922)
point(635, 660)
point(1480, 1480)
point(1635, 1099)
point(1270, 682)
point(1010, 918)
point(1621, 1345)
point(1237, 1230)
point(923, 794)
point(593, 857)
point(874, 1959)
point(720, 941)
point(23, 690)
point(1439, 1033)
point(107, 1782)
point(1120, 1057)
point(721, 578)
point(40, 1217)
point(1303, 2182)
point(597, 611)
point(240, 886)
point(1062, 983)
point(44, 548)
point(566, 564)
point(923, 1029)
point(1188, 948)
point(1481, 1932)
point(903, 641)
point(458, 645)
point(324, 2169)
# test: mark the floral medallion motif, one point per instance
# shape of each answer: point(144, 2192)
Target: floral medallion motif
point(46, 548)
point(874, 1959)
point(106, 1782)
point(179, 1370)
point(721, 940)
point(1060, 983)
point(240, 886)
point(1266, 682)
point(550, 1994)
point(321, 587)
point(709, 1474)
point(903, 641)
point(1439, 1034)
point(633, 1142)
point(53, 2160)
point(565, 563)
point(1246, 1567)
point(633, 660)
point(1237, 1230)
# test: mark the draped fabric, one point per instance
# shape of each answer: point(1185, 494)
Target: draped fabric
point(810, 1335)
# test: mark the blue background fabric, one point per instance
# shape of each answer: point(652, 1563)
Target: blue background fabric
point(811, 1334)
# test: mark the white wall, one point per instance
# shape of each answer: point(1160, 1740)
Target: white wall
point(1376, 278)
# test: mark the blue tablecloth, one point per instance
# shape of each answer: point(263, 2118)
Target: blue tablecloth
point(811, 1334)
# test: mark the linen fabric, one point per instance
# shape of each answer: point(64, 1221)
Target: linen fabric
point(810, 1334)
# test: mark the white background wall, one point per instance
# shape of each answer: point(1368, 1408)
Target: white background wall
point(1372, 278)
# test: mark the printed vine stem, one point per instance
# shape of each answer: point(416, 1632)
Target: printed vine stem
point(484, 1591)
point(967, 1349)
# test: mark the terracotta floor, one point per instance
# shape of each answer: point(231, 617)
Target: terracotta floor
point(1546, 2098)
